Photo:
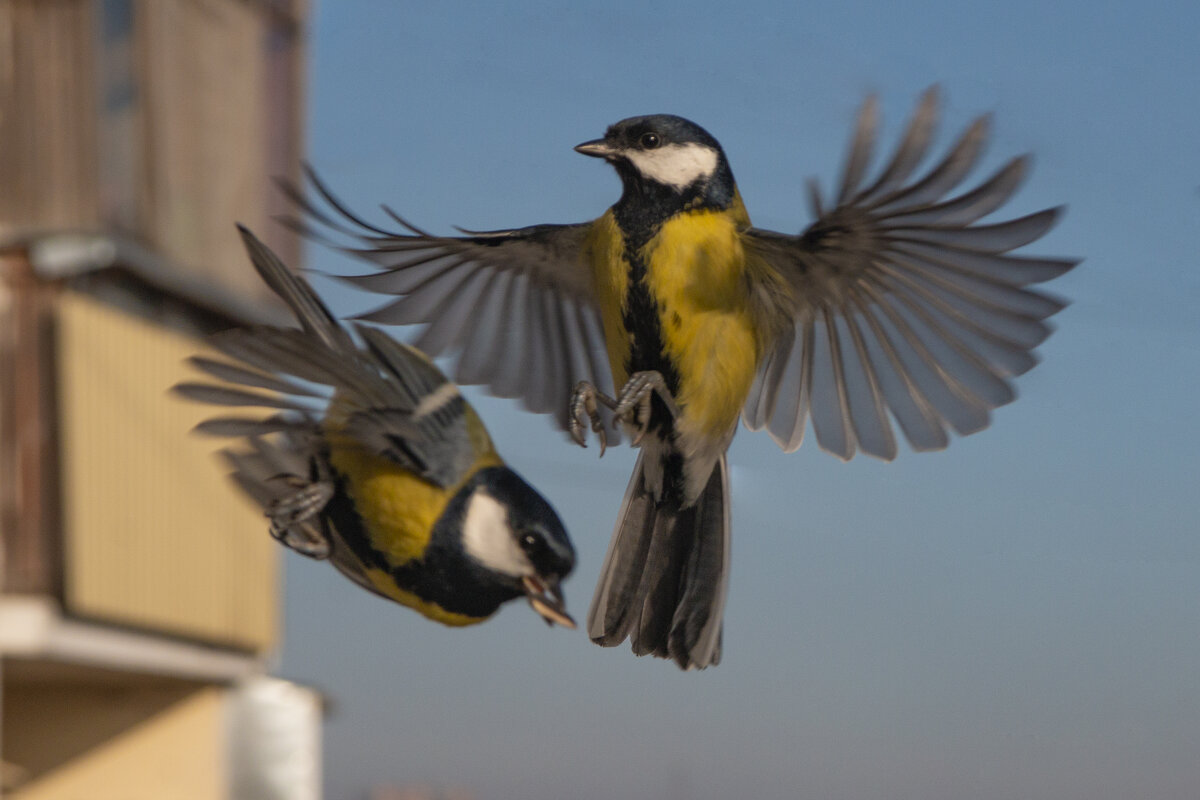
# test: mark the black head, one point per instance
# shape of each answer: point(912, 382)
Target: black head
point(665, 153)
point(511, 531)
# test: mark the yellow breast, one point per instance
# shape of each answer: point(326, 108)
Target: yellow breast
point(695, 271)
point(397, 506)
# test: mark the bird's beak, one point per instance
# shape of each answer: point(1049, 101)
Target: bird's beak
point(547, 600)
point(597, 148)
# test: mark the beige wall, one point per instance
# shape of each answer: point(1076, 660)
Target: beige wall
point(154, 534)
point(118, 743)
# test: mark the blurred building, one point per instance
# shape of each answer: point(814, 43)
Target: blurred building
point(139, 595)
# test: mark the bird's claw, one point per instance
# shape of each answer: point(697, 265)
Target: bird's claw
point(633, 405)
point(584, 408)
point(295, 519)
point(631, 408)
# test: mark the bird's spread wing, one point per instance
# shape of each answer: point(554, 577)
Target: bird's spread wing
point(900, 302)
point(517, 304)
point(387, 397)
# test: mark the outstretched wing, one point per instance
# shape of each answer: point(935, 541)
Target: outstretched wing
point(387, 397)
point(517, 304)
point(901, 302)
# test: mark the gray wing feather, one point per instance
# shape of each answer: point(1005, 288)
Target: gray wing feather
point(513, 345)
point(905, 308)
point(237, 427)
point(417, 377)
point(424, 304)
point(257, 467)
point(861, 147)
point(453, 318)
point(481, 348)
point(529, 276)
point(909, 152)
point(397, 403)
point(226, 396)
point(234, 373)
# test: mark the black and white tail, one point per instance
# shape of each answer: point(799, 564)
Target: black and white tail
point(665, 575)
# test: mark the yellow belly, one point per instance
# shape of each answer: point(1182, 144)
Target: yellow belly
point(398, 508)
point(696, 271)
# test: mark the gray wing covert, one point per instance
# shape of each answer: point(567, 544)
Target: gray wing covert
point(901, 302)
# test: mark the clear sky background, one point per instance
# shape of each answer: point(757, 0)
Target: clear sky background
point(1015, 617)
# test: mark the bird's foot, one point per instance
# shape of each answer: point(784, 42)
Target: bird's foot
point(295, 519)
point(584, 409)
point(633, 404)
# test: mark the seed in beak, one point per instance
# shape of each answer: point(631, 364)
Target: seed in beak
point(547, 603)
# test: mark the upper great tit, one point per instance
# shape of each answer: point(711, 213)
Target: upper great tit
point(393, 478)
point(894, 301)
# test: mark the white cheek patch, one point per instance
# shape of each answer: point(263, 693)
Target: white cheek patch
point(489, 539)
point(675, 165)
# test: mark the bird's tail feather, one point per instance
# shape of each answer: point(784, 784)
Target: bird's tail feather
point(664, 577)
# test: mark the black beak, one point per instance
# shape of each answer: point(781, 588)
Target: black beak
point(597, 148)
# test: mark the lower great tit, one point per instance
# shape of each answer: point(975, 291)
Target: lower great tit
point(393, 478)
point(895, 305)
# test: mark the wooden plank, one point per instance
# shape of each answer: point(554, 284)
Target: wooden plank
point(28, 468)
point(47, 115)
point(207, 106)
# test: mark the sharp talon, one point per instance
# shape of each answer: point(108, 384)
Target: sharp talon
point(583, 407)
point(295, 518)
point(634, 409)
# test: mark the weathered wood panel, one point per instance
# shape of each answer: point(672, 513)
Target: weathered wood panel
point(30, 548)
point(47, 115)
point(164, 120)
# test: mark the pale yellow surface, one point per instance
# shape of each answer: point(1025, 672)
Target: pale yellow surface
point(178, 753)
point(155, 535)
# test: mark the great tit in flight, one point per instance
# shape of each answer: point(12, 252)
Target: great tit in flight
point(391, 476)
point(896, 305)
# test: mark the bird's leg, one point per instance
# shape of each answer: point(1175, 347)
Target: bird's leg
point(583, 406)
point(633, 403)
point(296, 519)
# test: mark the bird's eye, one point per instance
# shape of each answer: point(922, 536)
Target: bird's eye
point(649, 141)
point(529, 540)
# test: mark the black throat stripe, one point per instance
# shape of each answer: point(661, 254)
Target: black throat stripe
point(641, 314)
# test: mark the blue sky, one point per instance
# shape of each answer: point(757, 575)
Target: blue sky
point(1018, 616)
